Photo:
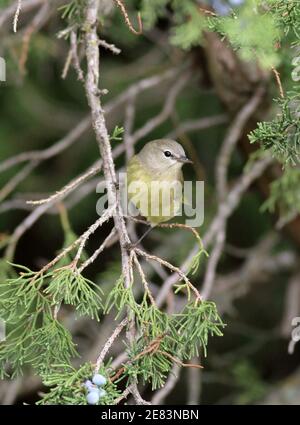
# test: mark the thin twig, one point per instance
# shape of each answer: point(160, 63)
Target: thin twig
point(137, 396)
point(127, 20)
point(67, 64)
point(37, 22)
point(108, 213)
point(62, 254)
point(172, 268)
point(183, 226)
point(75, 58)
point(10, 11)
point(143, 277)
point(107, 241)
point(17, 178)
point(124, 394)
point(68, 188)
point(178, 361)
point(75, 243)
point(109, 343)
point(109, 46)
point(278, 80)
point(16, 17)
point(207, 12)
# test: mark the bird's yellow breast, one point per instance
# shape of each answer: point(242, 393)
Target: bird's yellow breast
point(157, 195)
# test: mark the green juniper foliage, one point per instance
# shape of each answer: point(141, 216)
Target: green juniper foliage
point(182, 335)
point(67, 385)
point(35, 337)
point(73, 11)
point(287, 15)
point(285, 193)
point(282, 135)
point(117, 134)
point(252, 31)
point(189, 26)
point(28, 301)
point(152, 10)
point(6, 270)
point(70, 287)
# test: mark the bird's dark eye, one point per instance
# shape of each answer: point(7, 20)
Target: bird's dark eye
point(167, 154)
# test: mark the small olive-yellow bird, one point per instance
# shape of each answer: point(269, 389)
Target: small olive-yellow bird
point(155, 180)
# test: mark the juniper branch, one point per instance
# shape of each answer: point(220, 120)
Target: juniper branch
point(10, 11)
point(108, 213)
point(172, 268)
point(108, 240)
point(109, 343)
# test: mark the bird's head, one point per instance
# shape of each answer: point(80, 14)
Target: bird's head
point(162, 154)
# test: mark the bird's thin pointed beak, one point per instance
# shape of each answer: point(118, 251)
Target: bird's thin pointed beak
point(184, 160)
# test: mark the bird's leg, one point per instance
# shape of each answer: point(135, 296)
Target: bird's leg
point(135, 244)
point(144, 235)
